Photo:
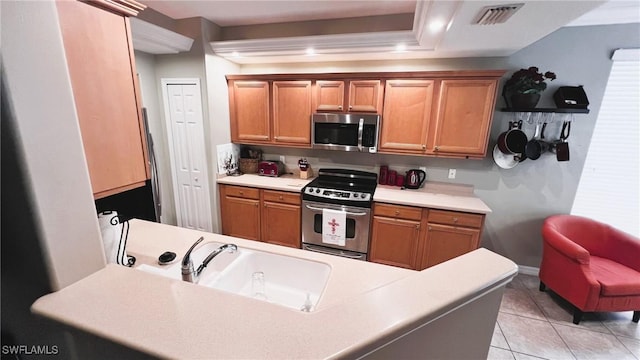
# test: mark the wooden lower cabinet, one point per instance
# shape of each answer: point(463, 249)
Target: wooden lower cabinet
point(281, 218)
point(262, 215)
point(240, 212)
point(395, 242)
point(417, 238)
point(444, 242)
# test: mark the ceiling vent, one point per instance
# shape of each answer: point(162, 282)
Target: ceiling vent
point(498, 14)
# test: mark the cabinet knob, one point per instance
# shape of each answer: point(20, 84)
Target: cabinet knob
point(430, 228)
point(397, 212)
point(436, 148)
point(350, 107)
point(241, 192)
point(256, 205)
point(424, 147)
point(275, 137)
point(339, 107)
point(455, 219)
point(418, 227)
point(280, 197)
point(265, 205)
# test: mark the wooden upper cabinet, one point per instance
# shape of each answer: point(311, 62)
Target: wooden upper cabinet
point(249, 111)
point(362, 96)
point(365, 96)
point(406, 116)
point(329, 95)
point(292, 112)
point(102, 71)
point(463, 119)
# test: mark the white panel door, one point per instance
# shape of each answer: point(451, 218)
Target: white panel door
point(186, 138)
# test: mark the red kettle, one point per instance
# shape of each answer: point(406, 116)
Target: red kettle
point(414, 178)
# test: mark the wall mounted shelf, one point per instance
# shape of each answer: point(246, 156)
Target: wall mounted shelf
point(548, 110)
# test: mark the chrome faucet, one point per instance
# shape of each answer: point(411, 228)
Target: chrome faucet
point(189, 273)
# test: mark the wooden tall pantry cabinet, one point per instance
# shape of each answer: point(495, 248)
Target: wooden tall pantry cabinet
point(99, 51)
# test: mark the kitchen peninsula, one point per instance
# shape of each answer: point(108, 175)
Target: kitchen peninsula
point(366, 310)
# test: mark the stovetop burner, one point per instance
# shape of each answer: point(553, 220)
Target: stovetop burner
point(342, 186)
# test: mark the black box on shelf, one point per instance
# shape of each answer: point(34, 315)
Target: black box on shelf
point(571, 97)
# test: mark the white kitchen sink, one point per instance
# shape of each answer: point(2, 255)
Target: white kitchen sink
point(288, 281)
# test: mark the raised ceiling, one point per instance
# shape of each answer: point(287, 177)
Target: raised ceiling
point(294, 29)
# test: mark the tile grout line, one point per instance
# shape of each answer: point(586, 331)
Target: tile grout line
point(625, 345)
point(504, 337)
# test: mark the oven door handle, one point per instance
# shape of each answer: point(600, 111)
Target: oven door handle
point(338, 253)
point(347, 212)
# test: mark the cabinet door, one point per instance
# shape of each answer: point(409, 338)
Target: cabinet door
point(240, 217)
point(365, 96)
point(102, 72)
point(464, 117)
point(445, 242)
point(407, 112)
point(249, 111)
point(281, 224)
point(292, 112)
point(395, 242)
point(329, 95)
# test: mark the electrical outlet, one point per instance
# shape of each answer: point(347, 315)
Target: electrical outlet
point(452, 173)
point(282, 159)
point(423, 168)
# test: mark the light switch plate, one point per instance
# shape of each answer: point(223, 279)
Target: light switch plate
point(282, 159)
point(452, 173)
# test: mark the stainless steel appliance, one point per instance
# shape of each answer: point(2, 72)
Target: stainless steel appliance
point(342, 190)
point(346, 132)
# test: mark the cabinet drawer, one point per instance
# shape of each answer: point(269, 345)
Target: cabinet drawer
point(455, 218)
point(281, 197)
point(397, 211)
point(243, 192)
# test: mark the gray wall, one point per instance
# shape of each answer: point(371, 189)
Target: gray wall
point(521, 197)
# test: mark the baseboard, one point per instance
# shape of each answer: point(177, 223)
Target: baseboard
point(528, 270)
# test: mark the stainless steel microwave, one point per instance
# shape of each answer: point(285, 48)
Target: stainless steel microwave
point(346, 132)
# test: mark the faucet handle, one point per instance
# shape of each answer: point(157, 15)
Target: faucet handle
point(187, 256)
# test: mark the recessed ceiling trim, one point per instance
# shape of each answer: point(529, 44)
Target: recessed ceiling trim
point(157, 40)
point(430, 13)
point(321, 44)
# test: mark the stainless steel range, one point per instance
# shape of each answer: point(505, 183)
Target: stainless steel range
point(336, 212)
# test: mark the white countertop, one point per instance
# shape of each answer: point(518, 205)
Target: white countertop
point(363, 304)
point(283, 183)
point(432, 195)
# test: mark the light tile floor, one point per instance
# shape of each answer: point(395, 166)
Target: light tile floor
point(538, 325)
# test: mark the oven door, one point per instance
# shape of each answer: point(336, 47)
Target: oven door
point(357, 219)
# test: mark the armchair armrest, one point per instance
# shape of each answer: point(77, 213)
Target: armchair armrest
point(625, 248)
point(565, 246)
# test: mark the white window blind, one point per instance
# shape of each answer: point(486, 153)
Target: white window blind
point(609, 188)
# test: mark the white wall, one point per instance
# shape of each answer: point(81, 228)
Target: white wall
point(47, 126)
point(149, 86)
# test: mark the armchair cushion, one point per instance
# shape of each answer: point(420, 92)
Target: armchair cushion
point(615, 279)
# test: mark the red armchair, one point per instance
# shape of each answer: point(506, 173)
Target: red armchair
point(591, 265)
